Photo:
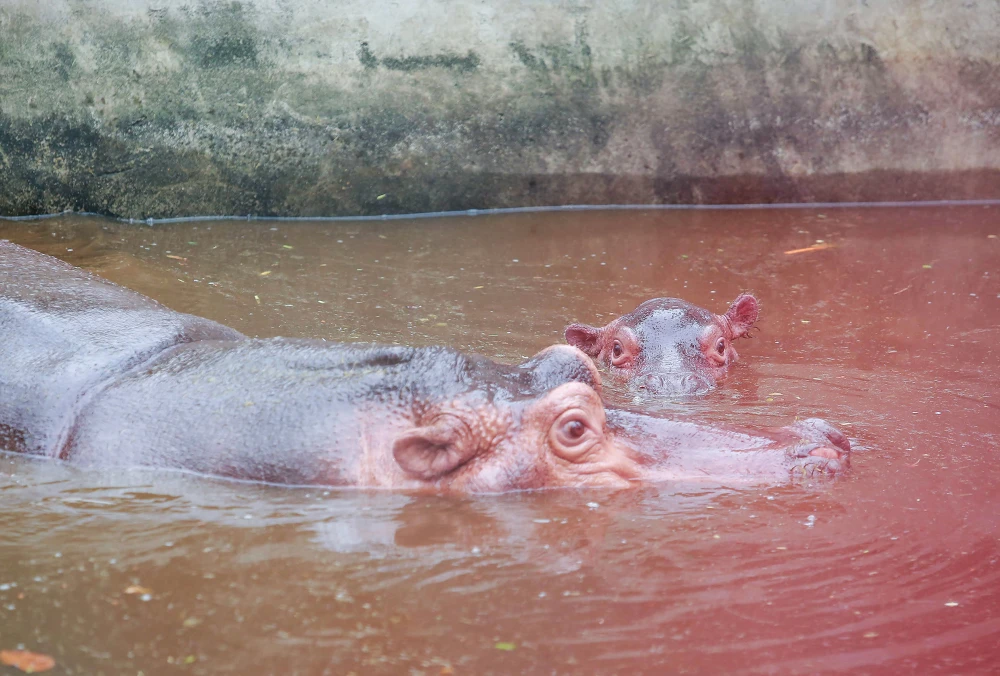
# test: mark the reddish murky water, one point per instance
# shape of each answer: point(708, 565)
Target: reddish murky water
point(889, 333)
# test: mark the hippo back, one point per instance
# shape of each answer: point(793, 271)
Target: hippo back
point(63, 334)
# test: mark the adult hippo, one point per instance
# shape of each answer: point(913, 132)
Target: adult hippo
point(101, 376)
point(667, 345)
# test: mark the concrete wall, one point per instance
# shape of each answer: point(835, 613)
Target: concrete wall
point(152, 108)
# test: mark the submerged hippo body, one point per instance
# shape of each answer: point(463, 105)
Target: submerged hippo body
point(100, 376)
point(667, 345)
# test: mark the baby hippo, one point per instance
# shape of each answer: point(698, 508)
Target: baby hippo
point(667, 345)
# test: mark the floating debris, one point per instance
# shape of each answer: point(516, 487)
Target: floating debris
point(815, 247)
point(28, 662)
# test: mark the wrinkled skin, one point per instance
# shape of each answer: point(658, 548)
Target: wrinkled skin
point(667, 345)
point(100, 376)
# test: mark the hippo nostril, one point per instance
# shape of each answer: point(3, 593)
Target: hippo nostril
point(653, 382)
point(832, 434)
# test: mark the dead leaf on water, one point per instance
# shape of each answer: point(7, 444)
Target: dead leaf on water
point(136, 589)
point(265, 273)
point(504, 645)
point(815, 247)
point(871, 634)
point(28, 662)
point(478, 287)
point(177, 258)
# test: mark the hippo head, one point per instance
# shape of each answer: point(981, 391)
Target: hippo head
point(562, 436)
point(488, 443)
point(667, 345)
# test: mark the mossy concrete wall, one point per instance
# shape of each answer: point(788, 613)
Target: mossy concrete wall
point(155, 108)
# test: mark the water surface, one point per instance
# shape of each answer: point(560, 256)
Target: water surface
point(888, 332)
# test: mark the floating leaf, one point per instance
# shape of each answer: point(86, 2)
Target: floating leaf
point(28, 662)
point(285, 246)
point(136, 589)
point(928, 266)
point(381, 197)
point(815, 247)
point(265, 273)
point(503, 645)
point(177, 258)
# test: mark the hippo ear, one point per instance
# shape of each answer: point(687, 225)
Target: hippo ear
point(432, 451)
point(742, 314)
point(584, 338)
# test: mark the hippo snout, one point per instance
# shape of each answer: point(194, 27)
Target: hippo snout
point(657, 383)
point(821, 448)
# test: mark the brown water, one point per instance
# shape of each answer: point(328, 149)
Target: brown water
point(894, 569)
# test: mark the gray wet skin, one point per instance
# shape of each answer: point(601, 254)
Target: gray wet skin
point(100, 376)
point(668, 346)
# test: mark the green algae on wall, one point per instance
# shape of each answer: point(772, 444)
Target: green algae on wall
point(170, 108)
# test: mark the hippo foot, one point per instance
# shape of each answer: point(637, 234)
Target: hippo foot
point(820, 449)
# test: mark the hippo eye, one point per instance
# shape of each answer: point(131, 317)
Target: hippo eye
point(575, 435)
point(574, 429)
point(617, 350)
point(720, 346)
